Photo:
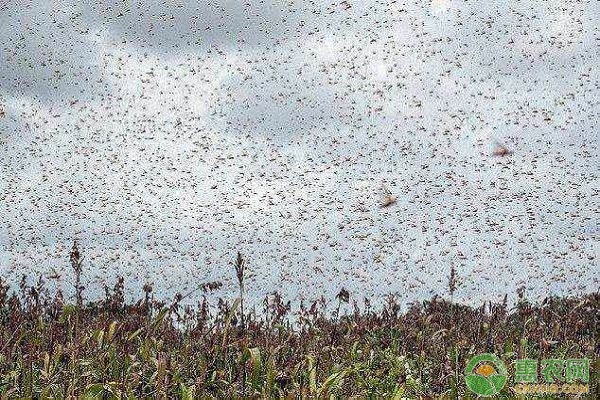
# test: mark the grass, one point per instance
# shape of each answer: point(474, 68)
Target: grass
point(110, 348)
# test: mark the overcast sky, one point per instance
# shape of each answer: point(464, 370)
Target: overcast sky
point(167, 137)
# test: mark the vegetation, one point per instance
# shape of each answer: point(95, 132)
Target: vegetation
point(110, 348)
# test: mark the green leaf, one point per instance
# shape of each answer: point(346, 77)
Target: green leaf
point(160, 317)
point(99, 337)
point(111, 331)
point(399, 393)
point(94, 391)
point(480, 385)
point(253, 355)
point(312, 374)
point(332, 383)
point(135, 334)
point(186, 392)
point(498, 381)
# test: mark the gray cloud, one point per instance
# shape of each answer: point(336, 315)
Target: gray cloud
point(273, 136)
point(45, 51)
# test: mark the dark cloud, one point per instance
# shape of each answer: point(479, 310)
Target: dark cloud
point(193, 25)
point(53, 50)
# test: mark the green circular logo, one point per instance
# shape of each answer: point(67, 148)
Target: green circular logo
point(486, 375)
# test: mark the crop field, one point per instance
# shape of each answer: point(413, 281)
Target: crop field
point(113, 348)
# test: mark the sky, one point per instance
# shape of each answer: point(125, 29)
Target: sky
point(167, 136)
